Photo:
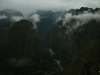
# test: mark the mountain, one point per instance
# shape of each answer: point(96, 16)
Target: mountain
point(46, 20)
point(7, 17)
point(23, 51)
point(9, 13)
point(75, 41)
point(71, 37)
point(85, 9)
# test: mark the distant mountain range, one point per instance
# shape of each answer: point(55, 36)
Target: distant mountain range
point(46, 18)
point(70, 38)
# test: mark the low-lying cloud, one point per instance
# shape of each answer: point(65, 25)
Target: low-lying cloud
point(29, 6)
point(58, 19)
point(35, 18)
point(3, 17)
point(72, 22)
point(16, 18)
point(51, 52)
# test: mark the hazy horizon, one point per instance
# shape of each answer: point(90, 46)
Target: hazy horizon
point(29, 6)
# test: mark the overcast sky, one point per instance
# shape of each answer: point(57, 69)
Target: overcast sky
point(29, 6)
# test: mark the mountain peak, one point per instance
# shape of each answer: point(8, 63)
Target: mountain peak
point(24, 48)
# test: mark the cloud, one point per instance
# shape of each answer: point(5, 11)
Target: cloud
point(29, 6)
point(75, 21)
point(3, 17)
point(35, 18)
point(58, 19)
point(16, 18)
point(51, 52)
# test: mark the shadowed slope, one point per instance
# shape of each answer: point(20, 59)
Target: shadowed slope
point(23, 51)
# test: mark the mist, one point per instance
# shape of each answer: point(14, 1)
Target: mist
point(58, 19)
point(29, 6)
point(79, 20)
point(35, 18)
point(16, 18)
point(3, 17)
point(19, 62)
point(51, 52)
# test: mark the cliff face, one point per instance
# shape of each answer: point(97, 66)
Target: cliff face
point(24, 50)
point(76, 47)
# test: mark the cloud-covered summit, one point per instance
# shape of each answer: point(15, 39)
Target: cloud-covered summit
point(73, 22)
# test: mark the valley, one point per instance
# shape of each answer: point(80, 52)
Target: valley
point(50, 43)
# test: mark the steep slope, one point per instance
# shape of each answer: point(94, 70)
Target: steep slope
point(75, 42)
point(47, 19)
point(7, 17)
point(23, 51)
